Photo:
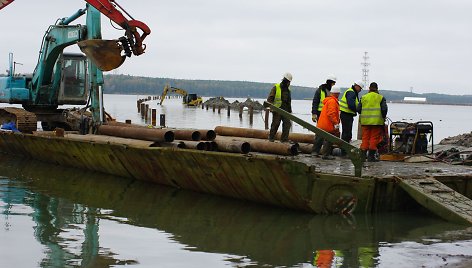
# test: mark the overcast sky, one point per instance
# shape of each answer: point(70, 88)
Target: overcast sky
point(423, 44)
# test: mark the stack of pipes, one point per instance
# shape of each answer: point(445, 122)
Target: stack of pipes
point(259, 140)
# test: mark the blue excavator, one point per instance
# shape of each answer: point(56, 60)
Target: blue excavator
point(62, 78)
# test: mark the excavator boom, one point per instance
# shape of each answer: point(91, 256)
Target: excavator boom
point(4, 3)
point(106, 54)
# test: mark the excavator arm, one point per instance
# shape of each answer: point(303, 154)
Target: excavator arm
point(168, 88)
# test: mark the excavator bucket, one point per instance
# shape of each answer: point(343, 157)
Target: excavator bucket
point(106, 54)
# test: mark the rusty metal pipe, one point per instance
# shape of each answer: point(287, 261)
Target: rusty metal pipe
point(305, 148)
point(265, 146)
point(242, 132)
point(111, 140)
point(196, 145)
point(149, 134)
point(232, 146)
point(261, 134)
point(207, 134)
point(187, 134)
point(174, 144)
point(298, 137)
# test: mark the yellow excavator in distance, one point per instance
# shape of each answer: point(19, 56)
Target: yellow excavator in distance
point(188, 99)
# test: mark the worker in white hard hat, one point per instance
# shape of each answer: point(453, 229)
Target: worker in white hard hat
point(280, 97)
point(322, 92)
point(348, 106)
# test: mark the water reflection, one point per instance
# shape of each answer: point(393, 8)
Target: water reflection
point(71, 208)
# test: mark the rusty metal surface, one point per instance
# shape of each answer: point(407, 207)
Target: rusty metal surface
point(25, 121)
point(261, 134)
point(207, 134)
point(232, 146)
point(106, 54)
point(149, 134)
point(264, 146)
point(265, 179)
point(439, 199)
point(186, 134)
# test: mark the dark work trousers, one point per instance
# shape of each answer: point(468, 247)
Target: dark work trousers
point(346, 121)
point(286, 124)
point(320, 142)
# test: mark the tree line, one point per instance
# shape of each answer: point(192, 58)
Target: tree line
point(127, 84)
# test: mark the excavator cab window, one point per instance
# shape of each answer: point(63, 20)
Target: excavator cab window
point(74, 87)
point(191, 97)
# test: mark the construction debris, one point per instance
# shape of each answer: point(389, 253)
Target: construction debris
point(461, 140)
point(236, 105)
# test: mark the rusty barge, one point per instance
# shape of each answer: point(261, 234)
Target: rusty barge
point(299, 182)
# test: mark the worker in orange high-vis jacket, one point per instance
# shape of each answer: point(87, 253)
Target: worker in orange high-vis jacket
point(373, 111)
point(329, 122)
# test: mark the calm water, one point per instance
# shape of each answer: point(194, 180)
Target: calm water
point(448, 120)
point(52, 216)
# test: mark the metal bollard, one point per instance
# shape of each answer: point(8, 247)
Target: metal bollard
point(162, 120)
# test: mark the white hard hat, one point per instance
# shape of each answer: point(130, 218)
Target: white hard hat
point(359, 83)
point(335, 90)
point(332, 78)
point(288, 76)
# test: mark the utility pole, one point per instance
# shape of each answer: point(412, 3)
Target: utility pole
point(365, 70)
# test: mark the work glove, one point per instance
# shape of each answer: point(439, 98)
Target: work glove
point(336, 127)
point(314, 117)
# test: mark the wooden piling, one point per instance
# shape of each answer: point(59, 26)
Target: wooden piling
point(251, 115)
point(162, 120)
point(266, 119)
point(142, 109)
point(229, 111)
point(153, 117)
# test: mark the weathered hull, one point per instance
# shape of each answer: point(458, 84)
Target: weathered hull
point(264, 179)
point(299, 183)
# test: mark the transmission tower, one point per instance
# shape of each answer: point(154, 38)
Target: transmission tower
point(365, 70)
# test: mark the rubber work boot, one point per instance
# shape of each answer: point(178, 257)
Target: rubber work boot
point(363, 155)
point(328, 157)
point(371, 157)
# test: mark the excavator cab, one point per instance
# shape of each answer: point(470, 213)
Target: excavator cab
point(74, 85)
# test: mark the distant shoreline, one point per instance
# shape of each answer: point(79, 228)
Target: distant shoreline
point(432, 103)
